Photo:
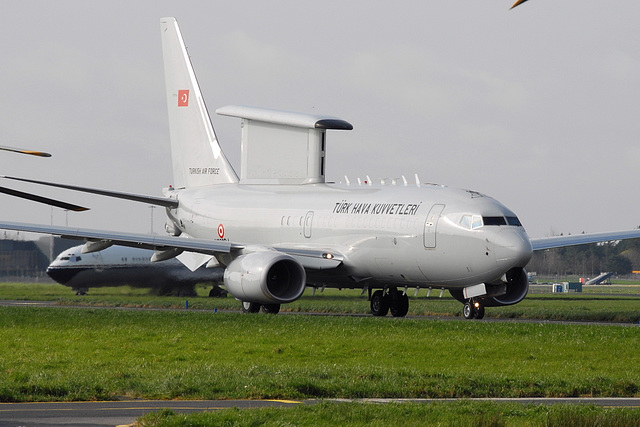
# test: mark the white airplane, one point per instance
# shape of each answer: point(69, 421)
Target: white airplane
point(122, 265)
point(279, 227)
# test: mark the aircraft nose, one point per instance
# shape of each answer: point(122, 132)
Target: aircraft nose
point(61, 275)
point(513, 248)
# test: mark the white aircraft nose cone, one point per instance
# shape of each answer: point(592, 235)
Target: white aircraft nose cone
point(513, 248)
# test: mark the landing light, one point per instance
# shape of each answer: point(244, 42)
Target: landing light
point(476, 304)
point(327, 256)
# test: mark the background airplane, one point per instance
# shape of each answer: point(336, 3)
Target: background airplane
point(279, 226)
point(121, 265)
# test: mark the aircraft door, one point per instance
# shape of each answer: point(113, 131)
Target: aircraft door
point(431, 226)
point(308, 220)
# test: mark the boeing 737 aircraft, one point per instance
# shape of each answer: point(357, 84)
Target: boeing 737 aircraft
point(122, 265)
point(279, 227)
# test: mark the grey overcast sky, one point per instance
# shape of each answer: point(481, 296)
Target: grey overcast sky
point(535, 106)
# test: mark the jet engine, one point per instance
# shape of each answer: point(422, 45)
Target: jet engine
point(265, 277)
point(517, 287)
point(509, 292)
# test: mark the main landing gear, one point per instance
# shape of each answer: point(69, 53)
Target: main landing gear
point(473, 310)
point(254, 307)
point(390, 299)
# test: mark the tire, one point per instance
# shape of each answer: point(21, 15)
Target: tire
point(379, 304)
point(250, 307)
point(469, 311)
point(271, 308)
point(217, 292)
point(399, 304)
point(480, 312)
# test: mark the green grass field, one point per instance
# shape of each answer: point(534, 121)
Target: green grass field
point(88, 354)
point(462, 414)
point(93, 353)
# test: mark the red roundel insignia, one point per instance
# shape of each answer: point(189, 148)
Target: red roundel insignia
point(221, 231)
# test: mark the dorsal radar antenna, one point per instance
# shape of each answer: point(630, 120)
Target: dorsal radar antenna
point(368, 181)
point(404, 181)
point(346, 179)
point(417, 181)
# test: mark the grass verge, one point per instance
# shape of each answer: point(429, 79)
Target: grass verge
point(461, 414)
point(91, 354)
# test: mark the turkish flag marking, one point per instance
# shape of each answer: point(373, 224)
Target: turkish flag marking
point(221, 231)
point(183, 98)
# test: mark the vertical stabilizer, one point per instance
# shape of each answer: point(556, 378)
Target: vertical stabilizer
point(197, 157)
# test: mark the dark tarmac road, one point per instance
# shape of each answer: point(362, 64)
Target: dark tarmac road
point(126, 412)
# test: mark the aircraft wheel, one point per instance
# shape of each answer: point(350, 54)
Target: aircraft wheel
point(250, 307)
point(399, 304)
point(469, 311)
point(379, 304)
point(217, 292)
point(271, 308)
point(480, 312)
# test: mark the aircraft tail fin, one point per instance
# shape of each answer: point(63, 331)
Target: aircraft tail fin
point(198, 159)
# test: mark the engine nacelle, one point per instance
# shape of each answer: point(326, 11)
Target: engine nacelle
point(507, 293)
point(265, 277)
point(517, 288)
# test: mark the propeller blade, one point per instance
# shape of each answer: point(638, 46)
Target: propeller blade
point(519, 2)
point(30, 152)
point(45, 200)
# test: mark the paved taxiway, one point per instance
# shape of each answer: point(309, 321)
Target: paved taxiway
point(126, 412)
point(53, 304)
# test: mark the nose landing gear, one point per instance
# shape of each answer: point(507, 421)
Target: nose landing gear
point(473, 310)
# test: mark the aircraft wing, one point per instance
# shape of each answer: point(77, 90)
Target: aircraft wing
point(581, 239)
point(309, 258)
point(136, 240)
point(42, 199)
point(152, 200)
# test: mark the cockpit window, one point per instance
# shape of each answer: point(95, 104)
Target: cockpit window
point(471, 221)
point(476, 221)
point(494, 220)
point(513, 220)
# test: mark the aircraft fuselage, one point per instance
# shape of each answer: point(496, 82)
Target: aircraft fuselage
point(388, 235)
